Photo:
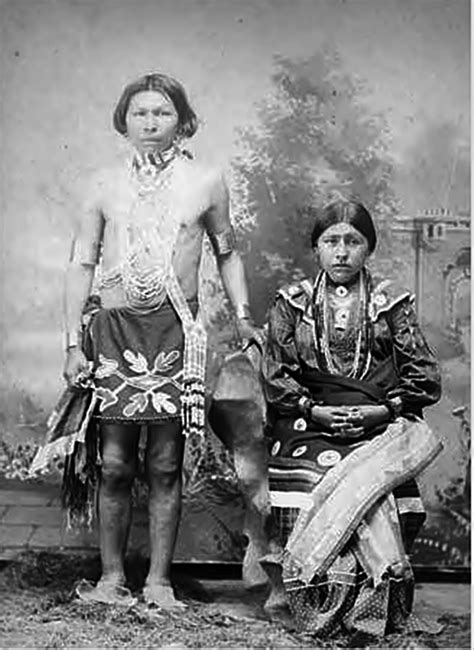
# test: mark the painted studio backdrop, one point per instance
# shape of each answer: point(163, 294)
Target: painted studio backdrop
point(297, 101)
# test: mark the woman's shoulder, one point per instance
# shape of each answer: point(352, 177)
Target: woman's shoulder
point(296, 294)
point(386, 296)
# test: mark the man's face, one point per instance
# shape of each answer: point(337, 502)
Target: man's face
point(342, 252)
point(152, 121)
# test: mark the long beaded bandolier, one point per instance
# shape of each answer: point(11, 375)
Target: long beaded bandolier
point(194, 365)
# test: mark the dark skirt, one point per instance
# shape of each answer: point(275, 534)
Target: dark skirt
point(138, 362)
point(344, 600)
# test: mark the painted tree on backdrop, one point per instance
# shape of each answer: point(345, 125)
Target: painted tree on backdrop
point(316, 136)
point(437, 169)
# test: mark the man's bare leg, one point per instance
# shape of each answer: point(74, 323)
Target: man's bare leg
point(119, 448)
point(164, 459)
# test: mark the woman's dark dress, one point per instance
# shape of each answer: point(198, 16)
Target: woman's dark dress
point(402, 366)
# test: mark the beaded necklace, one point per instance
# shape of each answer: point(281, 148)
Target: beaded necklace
point(151, 231)
point(362, 351)
point(147, 168)
point(148, 237)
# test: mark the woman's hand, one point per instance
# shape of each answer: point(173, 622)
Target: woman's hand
point(370, 416)
point(75, 366)
point(341, 421)
point(350, 421)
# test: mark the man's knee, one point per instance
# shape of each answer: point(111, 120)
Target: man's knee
point(117, 473)
point(164, 466)
point(164, 456)
point(164, 472)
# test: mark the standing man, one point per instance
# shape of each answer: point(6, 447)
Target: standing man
point(139, 248)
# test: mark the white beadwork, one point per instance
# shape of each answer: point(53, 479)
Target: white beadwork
point(322, 298)
point(148, 237)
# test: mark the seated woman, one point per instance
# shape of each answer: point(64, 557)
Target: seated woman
point(347, 373)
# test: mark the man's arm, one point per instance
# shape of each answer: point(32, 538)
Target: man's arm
point(84, 256)
point(79, 278)
point(229, 262)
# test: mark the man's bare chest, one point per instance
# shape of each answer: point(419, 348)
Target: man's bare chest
point(126, 206)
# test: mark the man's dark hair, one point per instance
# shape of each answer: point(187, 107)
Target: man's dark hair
point(187, 120)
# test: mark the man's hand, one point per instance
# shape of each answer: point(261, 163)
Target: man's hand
point(247, 332)
point(76, 366)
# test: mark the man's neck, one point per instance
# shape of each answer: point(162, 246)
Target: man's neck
point(151, 163)
point(157, 157)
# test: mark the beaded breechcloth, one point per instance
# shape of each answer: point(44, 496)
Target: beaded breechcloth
point(138, 363)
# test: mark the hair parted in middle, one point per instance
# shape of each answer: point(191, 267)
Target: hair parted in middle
point(344, 211)
point(171, 88)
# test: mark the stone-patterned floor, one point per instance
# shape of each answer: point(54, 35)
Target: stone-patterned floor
point(31, 518)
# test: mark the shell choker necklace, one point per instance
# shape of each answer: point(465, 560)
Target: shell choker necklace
point(152, 162)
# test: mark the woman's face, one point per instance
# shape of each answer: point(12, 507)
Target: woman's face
point(342, 252)
point(152, 121)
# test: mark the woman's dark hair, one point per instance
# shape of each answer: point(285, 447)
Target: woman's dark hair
point(187, 120)
point(345, 211)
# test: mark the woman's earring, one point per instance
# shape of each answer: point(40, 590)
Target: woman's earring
point(316, 256)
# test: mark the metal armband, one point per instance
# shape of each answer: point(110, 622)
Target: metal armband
point(72, 340)
point(242, 312)
point(223, 242)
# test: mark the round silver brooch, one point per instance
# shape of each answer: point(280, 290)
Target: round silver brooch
point(380, 299)
point(300, 425)
point(341, 291)
point(329, 458)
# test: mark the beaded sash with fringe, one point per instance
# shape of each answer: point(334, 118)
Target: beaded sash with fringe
point(194, 365)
